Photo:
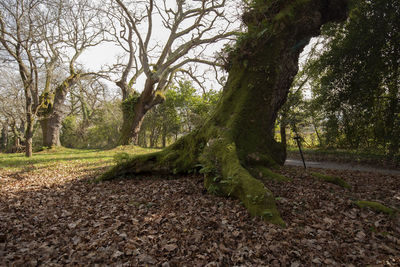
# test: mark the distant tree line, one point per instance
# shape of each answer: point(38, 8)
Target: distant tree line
point(354, 79)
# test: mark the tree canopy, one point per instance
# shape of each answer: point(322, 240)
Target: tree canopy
point(356, 79)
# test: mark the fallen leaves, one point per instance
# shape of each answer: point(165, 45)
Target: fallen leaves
point(54, 216)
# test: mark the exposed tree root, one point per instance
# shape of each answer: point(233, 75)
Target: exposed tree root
point(235, 146)
point(217, 159)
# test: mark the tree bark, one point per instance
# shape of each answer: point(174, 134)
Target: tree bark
point(131, 125)
point(30, 118)
point(164, 136)
point(283, 134)
point(234, 147)
point(52, 114)
point(4, 136)
point(29, 135)
point(134, 112)
point(51, 131)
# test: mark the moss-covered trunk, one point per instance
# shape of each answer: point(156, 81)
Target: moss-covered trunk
point(4, 137)
point(131, 125)
point(52, 111)
point(234, 147)
point(134, 108)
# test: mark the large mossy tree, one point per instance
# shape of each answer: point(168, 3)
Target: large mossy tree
point(235, 148)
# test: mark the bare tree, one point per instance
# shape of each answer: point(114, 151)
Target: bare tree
point(42, 37)
point(11, 108)
point(18, 32)
point(190, 28)
point(77, 27)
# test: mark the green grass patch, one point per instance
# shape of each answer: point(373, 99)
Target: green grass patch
point(376, 206)
point(331, 179)
point(49, 157)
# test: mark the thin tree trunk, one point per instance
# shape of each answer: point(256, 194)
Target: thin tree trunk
point(29, 135)
point(29, 122)
point(164, 136)
point(317, 132)
point(283, 134)
point(4, 136)
point(235, 147)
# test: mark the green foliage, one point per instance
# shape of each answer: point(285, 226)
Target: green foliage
point(46, 101)
point(182, 111)
point(356, 79)
point(331, 179)
point(121, 157)
point(100, 131)
point(128, 105)
point(69, 131)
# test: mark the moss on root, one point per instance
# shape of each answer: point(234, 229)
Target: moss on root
point(218, 160)
point(331, 179)
point(267, 174)
point(224, 175)
point(376, 206)
point(236, 145)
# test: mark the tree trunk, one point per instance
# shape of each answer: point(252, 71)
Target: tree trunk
point(51, 130)
point(4, 137)
point(53, 114)
point(283, 134)
point(29, 135)
point(152, 137)
point(134, 109)
point(132, 122)
point(317, 132)
point(164, 136)
point(30, 118)
point(235, 147)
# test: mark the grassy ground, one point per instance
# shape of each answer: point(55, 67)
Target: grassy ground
point(52, 215)
point(75, 157)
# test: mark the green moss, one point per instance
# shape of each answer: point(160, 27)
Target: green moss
point(376, 206)
point(232, 145)
point(46, 101)
point(266, 174)
point(290, 10)
point(234, 180)
point(331, 179)
point(128, 105)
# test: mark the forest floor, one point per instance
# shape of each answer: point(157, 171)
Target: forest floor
point(51, 213)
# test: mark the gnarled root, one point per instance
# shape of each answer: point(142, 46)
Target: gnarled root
point(217, 159)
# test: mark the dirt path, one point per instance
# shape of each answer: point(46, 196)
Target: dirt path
point(340, 166)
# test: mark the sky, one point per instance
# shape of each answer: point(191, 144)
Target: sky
point(106, 54)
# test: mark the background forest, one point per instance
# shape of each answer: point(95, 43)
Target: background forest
point(325, 107)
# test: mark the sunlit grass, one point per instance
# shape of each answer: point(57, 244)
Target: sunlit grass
point(51, 157)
